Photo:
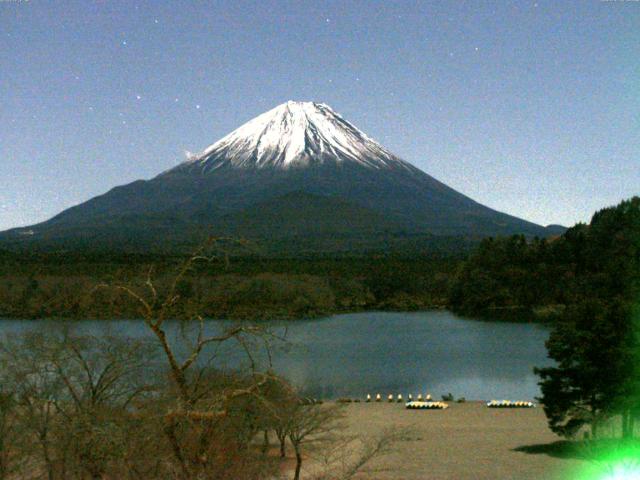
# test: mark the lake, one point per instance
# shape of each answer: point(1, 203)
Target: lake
point(351, 355)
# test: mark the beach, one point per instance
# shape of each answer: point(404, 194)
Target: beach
point(467, 441)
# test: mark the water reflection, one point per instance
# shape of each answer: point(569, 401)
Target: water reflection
point(435, 352)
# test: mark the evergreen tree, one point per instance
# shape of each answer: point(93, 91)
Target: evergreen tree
point(596, 343)
point(591, 366)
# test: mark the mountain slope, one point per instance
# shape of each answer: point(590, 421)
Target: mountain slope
point(299, 169)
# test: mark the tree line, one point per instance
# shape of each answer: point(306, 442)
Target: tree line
point(241, 287)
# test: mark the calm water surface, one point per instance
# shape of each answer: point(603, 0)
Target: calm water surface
point(381, 352)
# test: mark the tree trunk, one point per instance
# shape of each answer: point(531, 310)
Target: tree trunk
point(265, 442)
point(4, 461)
point(176, 372)
point(47, 460)
point(594, 429)
point(296, 476)
point(170, 432)
point(283, 452)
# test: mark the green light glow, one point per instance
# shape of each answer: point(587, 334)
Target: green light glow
point(611, 461)
point(624, 471)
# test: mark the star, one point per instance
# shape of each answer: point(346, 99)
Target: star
point(476, 49)
point(198, 107)
point(124, 43)
point(138, 97)
point(155, 21)
point(328, 20)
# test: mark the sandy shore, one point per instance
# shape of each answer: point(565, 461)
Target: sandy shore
point(465, 442)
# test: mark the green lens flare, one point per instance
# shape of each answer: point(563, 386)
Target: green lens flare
point(624, 471)
point(611, 461)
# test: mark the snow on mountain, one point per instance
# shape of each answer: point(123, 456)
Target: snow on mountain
point(295, 134)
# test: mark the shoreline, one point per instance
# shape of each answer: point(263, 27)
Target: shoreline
point(482, 316)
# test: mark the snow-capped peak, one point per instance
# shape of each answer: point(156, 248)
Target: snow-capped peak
point(296, 134)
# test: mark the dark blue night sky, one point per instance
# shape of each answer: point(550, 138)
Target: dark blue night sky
point(532, 108)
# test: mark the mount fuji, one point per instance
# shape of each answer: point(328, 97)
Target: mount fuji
point(297, 175)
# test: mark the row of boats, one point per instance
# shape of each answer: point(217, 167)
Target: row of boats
point(509, 404)
point(427, 403)
point(417, 405)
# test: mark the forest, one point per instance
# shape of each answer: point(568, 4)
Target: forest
point(544, 276)
point(61, 285)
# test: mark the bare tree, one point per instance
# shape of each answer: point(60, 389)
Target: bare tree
point(283, 402)
point(205, 411)
point(8, 433)
point(347, 456)
point(73, 394)
point(310, 425)
point(36, 390)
